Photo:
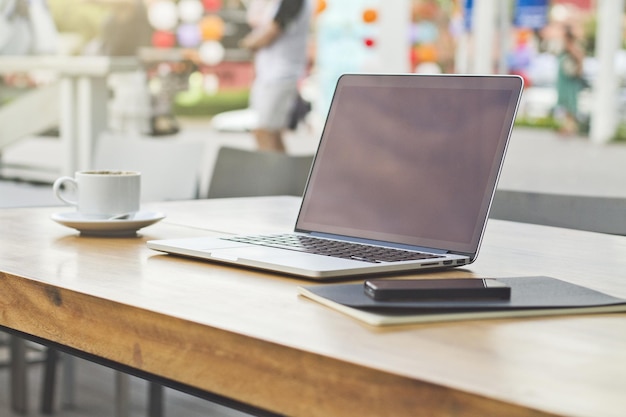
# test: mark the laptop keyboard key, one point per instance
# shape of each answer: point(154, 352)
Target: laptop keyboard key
point(334, 248)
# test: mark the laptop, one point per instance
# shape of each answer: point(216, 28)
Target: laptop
point(402, 181)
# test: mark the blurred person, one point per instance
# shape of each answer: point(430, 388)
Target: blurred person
point(569, 83)
point(126, 29)
point(79, 22)
point(278, 39)
point(27, 28)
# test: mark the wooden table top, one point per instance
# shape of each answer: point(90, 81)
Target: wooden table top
point(247, 335)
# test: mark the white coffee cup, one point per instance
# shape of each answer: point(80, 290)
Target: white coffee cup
point(101, 194)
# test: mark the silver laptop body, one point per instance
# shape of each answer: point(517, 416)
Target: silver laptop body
point(407, 162)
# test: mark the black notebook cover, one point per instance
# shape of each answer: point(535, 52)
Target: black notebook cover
point(530, 296)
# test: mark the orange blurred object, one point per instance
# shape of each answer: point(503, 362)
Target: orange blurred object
point(523, 36)
point(426, 53)
point(370, 15)
point(320, 6)
point(212, 28)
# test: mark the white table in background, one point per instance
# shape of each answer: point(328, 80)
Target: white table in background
point(83, 98)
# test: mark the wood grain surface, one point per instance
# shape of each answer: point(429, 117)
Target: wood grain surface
point(246, 334)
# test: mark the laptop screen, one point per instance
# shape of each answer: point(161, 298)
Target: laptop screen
point(411, 159)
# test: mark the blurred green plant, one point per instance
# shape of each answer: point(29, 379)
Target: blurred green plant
point(542, 122)
point(620, 134)
point(551, 123)
point(211, 104)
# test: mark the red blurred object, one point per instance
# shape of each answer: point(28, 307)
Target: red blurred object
point(524, 75)
point(163, 39)
point(413, 57)
point(369, 42)
point(582, 4)
point(212, 5)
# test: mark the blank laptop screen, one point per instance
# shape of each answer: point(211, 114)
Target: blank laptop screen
point(411, 159)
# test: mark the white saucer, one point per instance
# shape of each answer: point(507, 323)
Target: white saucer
point(105, 227)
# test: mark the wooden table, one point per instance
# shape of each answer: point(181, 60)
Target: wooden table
point(245, 335)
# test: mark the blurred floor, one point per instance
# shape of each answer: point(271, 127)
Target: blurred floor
point(540, 160)
point(95, 396)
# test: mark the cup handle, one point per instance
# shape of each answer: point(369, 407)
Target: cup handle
point(58, 191)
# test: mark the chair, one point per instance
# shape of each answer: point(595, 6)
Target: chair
point(21, 354)
point(44, 99)
point(594, 214)
point(246, 173)
point(170, 166)
point(50, 357)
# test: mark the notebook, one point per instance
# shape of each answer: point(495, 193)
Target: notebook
point(406, 164)
point(530, 297)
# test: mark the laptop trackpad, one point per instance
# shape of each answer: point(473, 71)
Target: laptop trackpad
point(263, 255)
point(257, 253)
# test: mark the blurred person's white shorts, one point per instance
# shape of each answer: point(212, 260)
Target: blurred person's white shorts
point(273, 103)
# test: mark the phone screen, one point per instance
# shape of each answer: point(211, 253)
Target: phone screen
point(428, 283)
point(437, 289)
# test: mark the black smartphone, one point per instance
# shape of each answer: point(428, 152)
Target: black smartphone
point(437, 289)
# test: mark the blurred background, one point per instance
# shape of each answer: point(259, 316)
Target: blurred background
point(173, 70)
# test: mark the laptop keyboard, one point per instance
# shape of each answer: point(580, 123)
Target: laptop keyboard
point(338, 249)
